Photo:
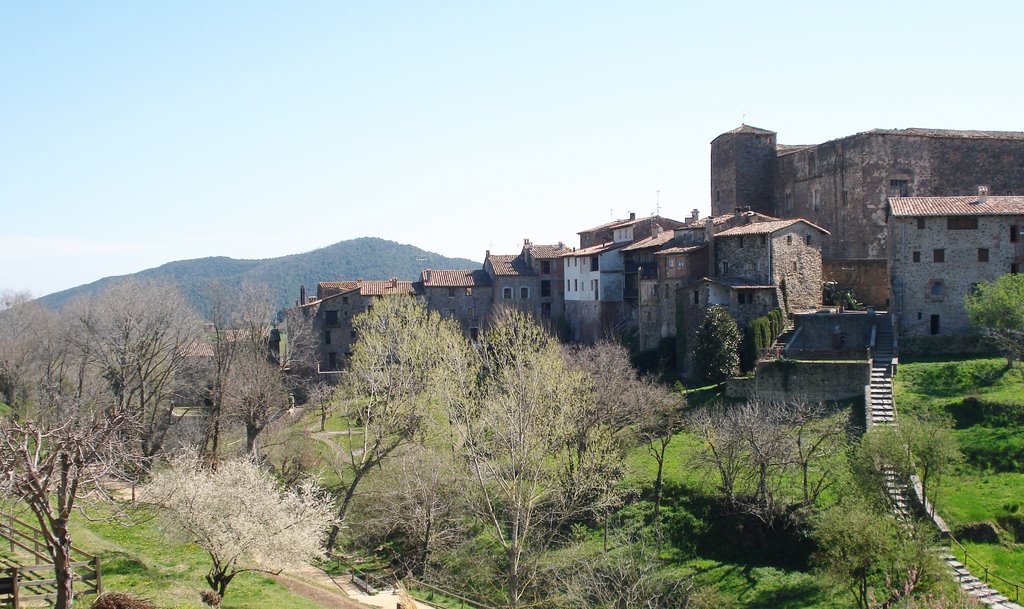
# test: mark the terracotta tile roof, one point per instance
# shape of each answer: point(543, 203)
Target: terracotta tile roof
point(668, 223)
point(196, 349)
point(957, 206)
point(546, 252)
point(593, 250)
point(685, 249)
point(766, 228)
point(331, 288)
point(432, 278)
point(781, 149)
point(509, 265)
point(652, 241)
point(722, 219)
point(386, 287)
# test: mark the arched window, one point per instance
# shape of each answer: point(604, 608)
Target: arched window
point(524, 292)
point(506, 293)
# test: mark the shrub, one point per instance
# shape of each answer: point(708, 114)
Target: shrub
point(120, 600)
point(717, 342)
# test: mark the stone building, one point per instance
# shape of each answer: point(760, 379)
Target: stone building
point(466, 295)
point(755, 266)
point(602, 278)
point(940, 247)
point(843, 185)
point(320, 333)
point(320, 329)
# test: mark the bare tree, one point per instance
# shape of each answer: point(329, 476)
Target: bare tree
point(49, 466)
point(391, 374)
point(511, 432)
point(415, 506)
point(724, 448)
point(817, 437)
point(322, 397)
point(137, 335)
point(240, 517)
point(21, 320)
point(662, 417)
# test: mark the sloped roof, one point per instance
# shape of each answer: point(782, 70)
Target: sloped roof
point(734, 283)
point(723, 218)
point(386, 287)
point(951, 133)
point(653, 241)
point(509, 265)
point(331, 288)
point(470, 278)
point(545, 252)
point(957, 206)
point(684, 249)
point(593, 250)
point(766, 228)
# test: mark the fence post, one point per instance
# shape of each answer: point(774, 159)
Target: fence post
point(16, 572)
point(98, 583)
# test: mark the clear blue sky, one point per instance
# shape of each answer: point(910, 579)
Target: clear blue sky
point(136, 133)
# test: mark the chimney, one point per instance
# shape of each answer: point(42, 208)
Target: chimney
point(426, 276)
point(394, 282)
point(487, 254)
point(561, 245)
point(982, 194)
point(694, 216)
point(737, 211)
point(632, 215)
point(302, 294)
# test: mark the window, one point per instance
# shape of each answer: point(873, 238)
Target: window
point(845, 198)
point(764, 239)
point(470, 312)
point(939, 255)
point(332, 361)
point(671, 262)
point(327, 337)
point(1014, 234)
point(794, 265)
point(594, 263)
point(597, 288)
point(451, 292)
point(666, 291)
point(789, 239)
point(920, 223)
point(815, 199)
point(575, 285)
point(1013, 268)
point(524, 292)
point(332, 318)
point(545, 309)
point(982, 254)
point(474, 334)
point(568, 285)
point(656, 292)
point(937, 290)
point(469, 291)
point(789, 201)
point(545, 267)
point(448, 312)
point(916, 256)
point(696, 297)
point(899, 188)
point(741, 241)
point(725, 268)
point(506, 293)
point(807, 239)
point(962, 223)
point(935, 324)
point(741, 298)
point(545, 288)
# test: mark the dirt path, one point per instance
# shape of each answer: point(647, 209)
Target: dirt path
point(337, 592)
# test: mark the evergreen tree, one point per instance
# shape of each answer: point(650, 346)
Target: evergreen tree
point(717, 342)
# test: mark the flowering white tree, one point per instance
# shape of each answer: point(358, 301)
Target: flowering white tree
point(242, 518)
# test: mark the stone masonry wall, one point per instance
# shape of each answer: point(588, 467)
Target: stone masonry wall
point(812, 381)
point(926, 288)
point(796, 256)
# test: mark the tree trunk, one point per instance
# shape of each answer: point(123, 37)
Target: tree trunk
point(60, 551)
point(335, 529)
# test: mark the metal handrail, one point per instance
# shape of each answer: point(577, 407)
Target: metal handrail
point(988, 574)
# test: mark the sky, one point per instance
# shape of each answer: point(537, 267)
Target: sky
point(138, 133)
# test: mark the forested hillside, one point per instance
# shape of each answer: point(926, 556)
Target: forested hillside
point(366, 258)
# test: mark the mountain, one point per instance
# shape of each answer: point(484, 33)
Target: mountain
point(363, 258)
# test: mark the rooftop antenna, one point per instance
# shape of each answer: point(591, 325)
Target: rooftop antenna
point(744, 119)
point(657, 202)
point(611, 213)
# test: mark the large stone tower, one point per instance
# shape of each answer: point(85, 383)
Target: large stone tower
point(743, 170)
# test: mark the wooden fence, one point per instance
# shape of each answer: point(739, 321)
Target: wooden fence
point(37, 582)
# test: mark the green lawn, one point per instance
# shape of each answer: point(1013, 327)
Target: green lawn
point(142, 559)
point(985, 402)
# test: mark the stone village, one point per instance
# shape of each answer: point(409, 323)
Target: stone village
point(905, 220)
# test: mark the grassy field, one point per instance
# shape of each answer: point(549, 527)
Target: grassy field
point(985, 403)
point(140, 558)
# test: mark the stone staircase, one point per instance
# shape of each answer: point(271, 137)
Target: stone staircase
point(976, 587)
point(882, 409)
